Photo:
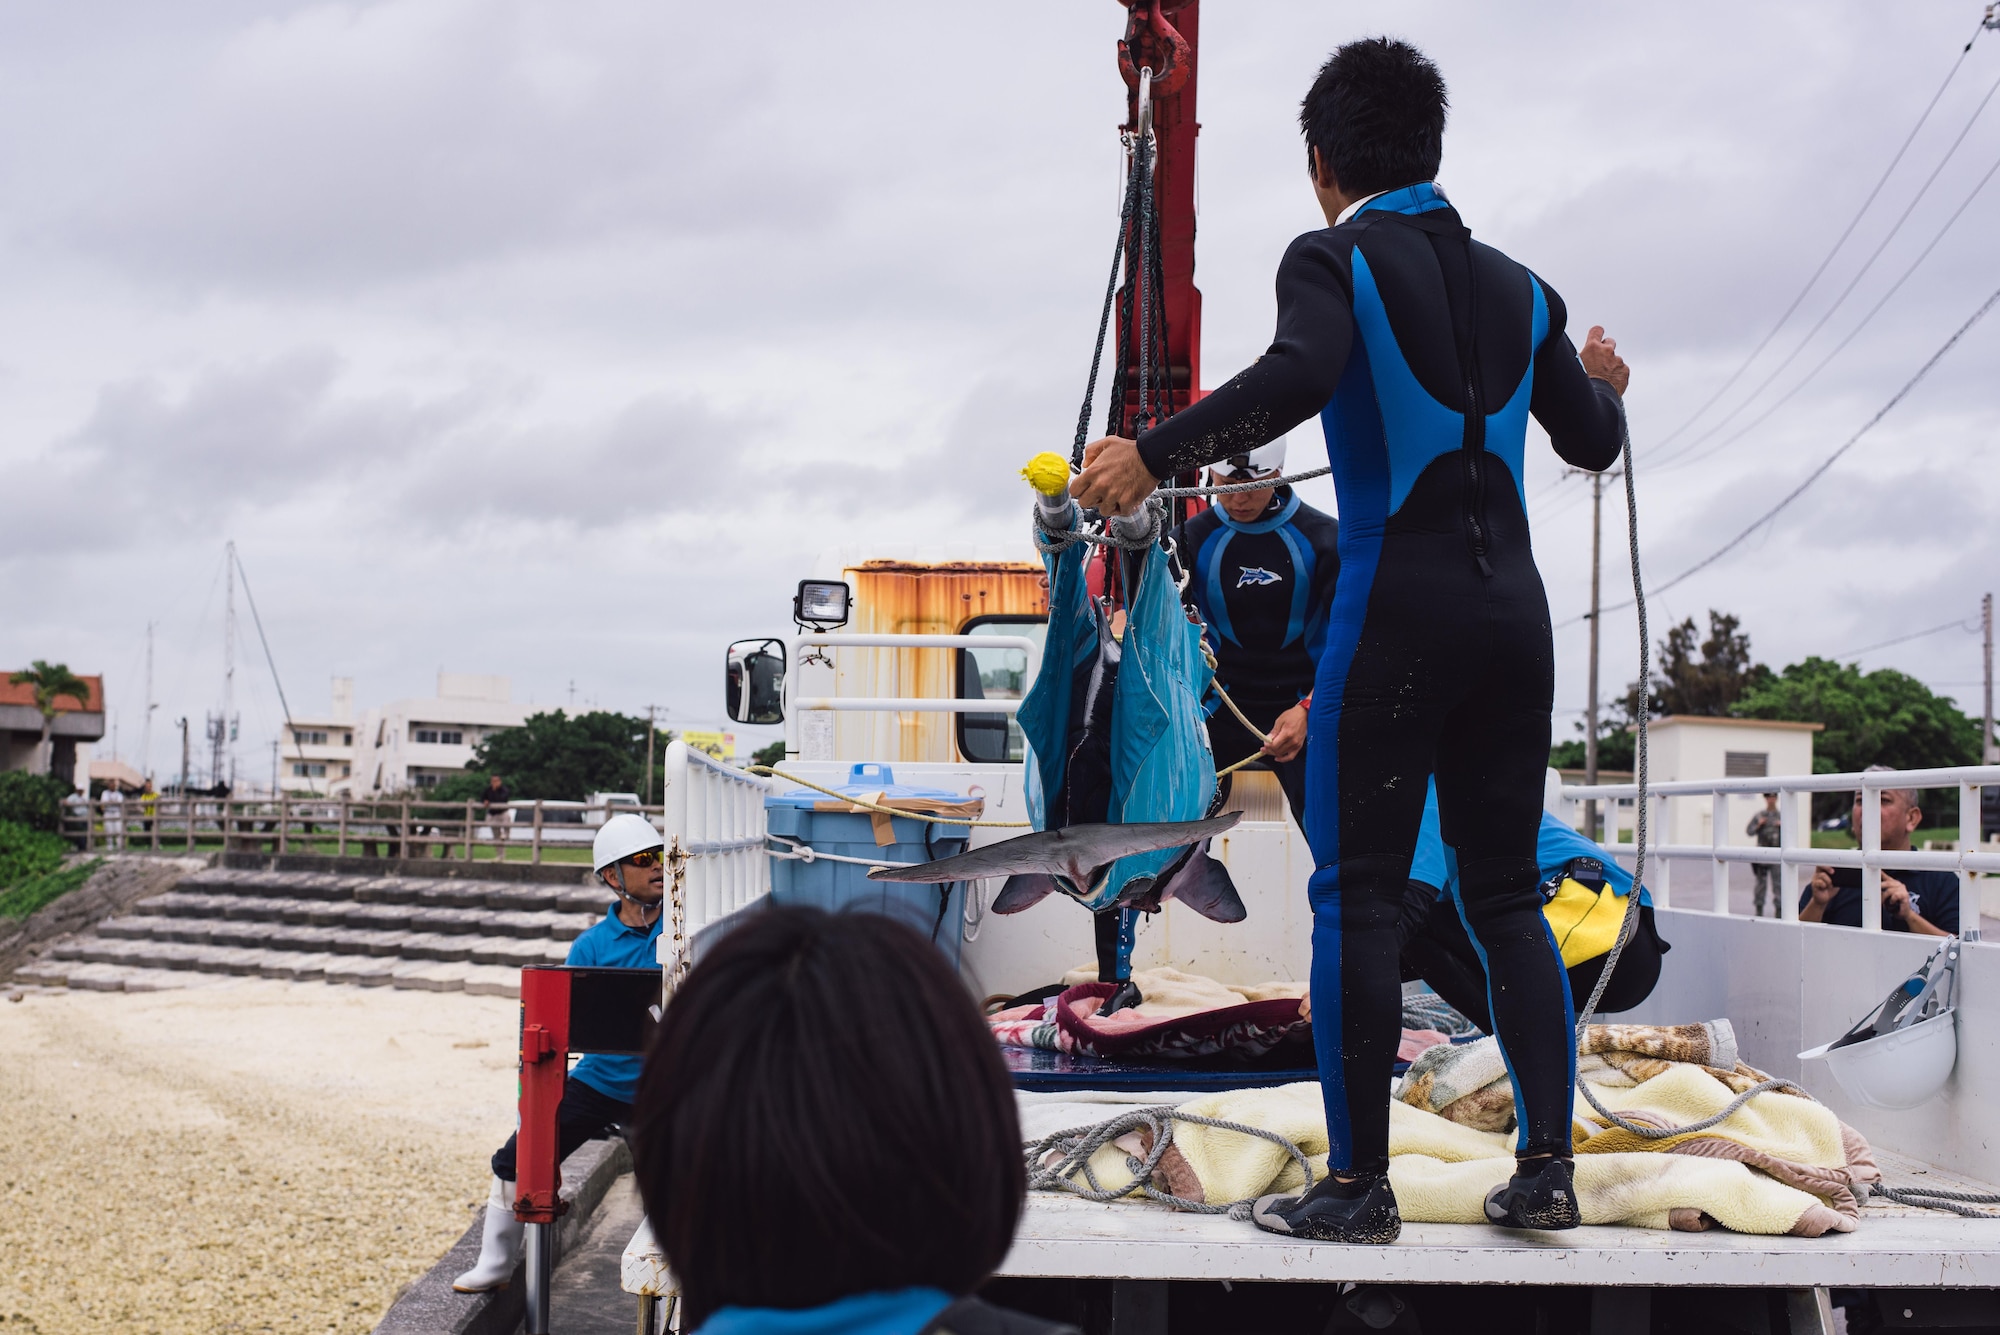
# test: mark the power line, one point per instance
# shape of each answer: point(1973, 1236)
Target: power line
point(1840, 241)
point(1965, 626)
point(1683, 458)
point(273, 663)
point(1824, 465)
point(1852, 283)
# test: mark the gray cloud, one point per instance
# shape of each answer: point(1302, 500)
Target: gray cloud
point(559, 343)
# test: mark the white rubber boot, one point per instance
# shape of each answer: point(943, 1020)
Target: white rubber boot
point(500, 1248)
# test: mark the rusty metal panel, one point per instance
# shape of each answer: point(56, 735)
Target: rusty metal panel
point(921, 598)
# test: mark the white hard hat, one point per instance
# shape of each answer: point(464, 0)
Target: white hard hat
point(1900, 1054)
point(1904, 1068)
point(1260, 462)
point(622, 836)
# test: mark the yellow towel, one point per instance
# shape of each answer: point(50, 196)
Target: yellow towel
point(1785, 1127)
point(1637, 1190)
point(1441, 1170)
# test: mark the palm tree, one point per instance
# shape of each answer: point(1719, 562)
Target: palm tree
point(51, 683)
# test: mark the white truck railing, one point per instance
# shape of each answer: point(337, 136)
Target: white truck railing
point(796, 705)
point(1796, 850)
point(715, 817)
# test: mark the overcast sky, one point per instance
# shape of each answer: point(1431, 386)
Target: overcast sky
point(557, 341)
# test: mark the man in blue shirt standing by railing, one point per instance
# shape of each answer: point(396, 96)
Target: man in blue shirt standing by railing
point(628, 855)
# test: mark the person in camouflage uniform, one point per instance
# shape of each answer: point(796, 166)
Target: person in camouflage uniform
point(1766, 827)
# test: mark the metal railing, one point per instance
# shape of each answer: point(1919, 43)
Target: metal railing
point(1795, 850)
point(400, 827)
point(795, 705)
point(717, 813)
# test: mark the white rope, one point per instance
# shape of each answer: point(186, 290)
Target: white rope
point(1259, 484)
point(808, 854)
point(1072, 1150)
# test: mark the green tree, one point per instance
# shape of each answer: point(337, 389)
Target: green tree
point(1884, 717)
point(1700, 677)
point(1696, 676)
point(33, 800)
point(52, 682)
point(774, 754)
point(558, 758)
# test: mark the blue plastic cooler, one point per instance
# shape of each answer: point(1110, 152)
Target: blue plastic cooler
point(845, 885)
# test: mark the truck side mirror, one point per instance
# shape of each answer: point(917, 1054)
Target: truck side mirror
point(753, 685)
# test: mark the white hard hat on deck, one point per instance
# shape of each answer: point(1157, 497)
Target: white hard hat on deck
point(622, 836)
point(1263, 461)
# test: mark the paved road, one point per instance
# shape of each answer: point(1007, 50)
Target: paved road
point(584, 1298)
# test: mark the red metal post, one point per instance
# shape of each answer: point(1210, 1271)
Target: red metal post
point(1164, 34)
point(544, 1063)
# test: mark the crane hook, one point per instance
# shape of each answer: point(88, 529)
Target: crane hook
point(1159, 45)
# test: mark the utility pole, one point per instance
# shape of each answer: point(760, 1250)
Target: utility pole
point(1988, 752)
point(146, 730)
point(228, 753)
point(652, 712)
point(1590, 826)
point(184, 755)
point(649, 754)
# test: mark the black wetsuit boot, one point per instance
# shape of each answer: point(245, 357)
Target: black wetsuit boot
point(1541, 1194)
point(1361, 1212)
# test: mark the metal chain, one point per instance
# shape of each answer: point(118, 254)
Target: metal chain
point(1076, 1145)
point(1103, 323)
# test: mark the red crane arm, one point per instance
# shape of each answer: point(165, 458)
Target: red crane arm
point(1162, 35)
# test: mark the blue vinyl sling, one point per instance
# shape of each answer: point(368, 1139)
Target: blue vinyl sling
point(1161, 766)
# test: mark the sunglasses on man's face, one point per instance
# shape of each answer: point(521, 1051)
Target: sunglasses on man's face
point(650, 858)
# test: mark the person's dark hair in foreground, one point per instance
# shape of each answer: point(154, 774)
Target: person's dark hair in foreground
point(825, 1127)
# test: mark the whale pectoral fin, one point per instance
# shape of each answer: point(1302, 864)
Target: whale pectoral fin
point(1024, 890)
point(1204, 885)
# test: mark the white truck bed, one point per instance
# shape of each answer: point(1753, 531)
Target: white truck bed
point(1894, 1247)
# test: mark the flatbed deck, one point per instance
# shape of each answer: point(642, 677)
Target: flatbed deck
point(1894, 1247)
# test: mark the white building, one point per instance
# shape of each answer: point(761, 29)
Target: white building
point(316, 752)
point(411, 744)
point(1691, 746)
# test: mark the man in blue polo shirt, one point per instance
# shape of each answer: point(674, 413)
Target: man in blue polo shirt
point(628, 855)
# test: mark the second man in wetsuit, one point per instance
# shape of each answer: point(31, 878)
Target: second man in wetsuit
point(1264, 565)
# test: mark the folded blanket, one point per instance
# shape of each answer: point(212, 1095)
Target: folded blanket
point(1184, 1015)
point(1468, 1082)
point(1781, 1164)
point(1441, 1171)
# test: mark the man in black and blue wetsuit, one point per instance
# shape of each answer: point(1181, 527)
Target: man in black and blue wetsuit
point(1264, 565)
point(1423, 352)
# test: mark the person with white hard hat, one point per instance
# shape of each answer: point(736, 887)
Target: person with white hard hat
point(1264, 564)
point(629, 856)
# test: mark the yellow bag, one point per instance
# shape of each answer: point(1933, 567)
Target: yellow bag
point(1585, 921)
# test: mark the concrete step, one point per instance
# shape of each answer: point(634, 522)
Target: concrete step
point(175, 943)
point(537, 924)
point(111, 973)
point(432, 892)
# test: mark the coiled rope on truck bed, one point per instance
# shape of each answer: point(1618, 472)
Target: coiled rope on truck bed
point(1075, 1146)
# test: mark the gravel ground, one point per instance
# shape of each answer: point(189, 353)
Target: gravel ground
point(261, 1156)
